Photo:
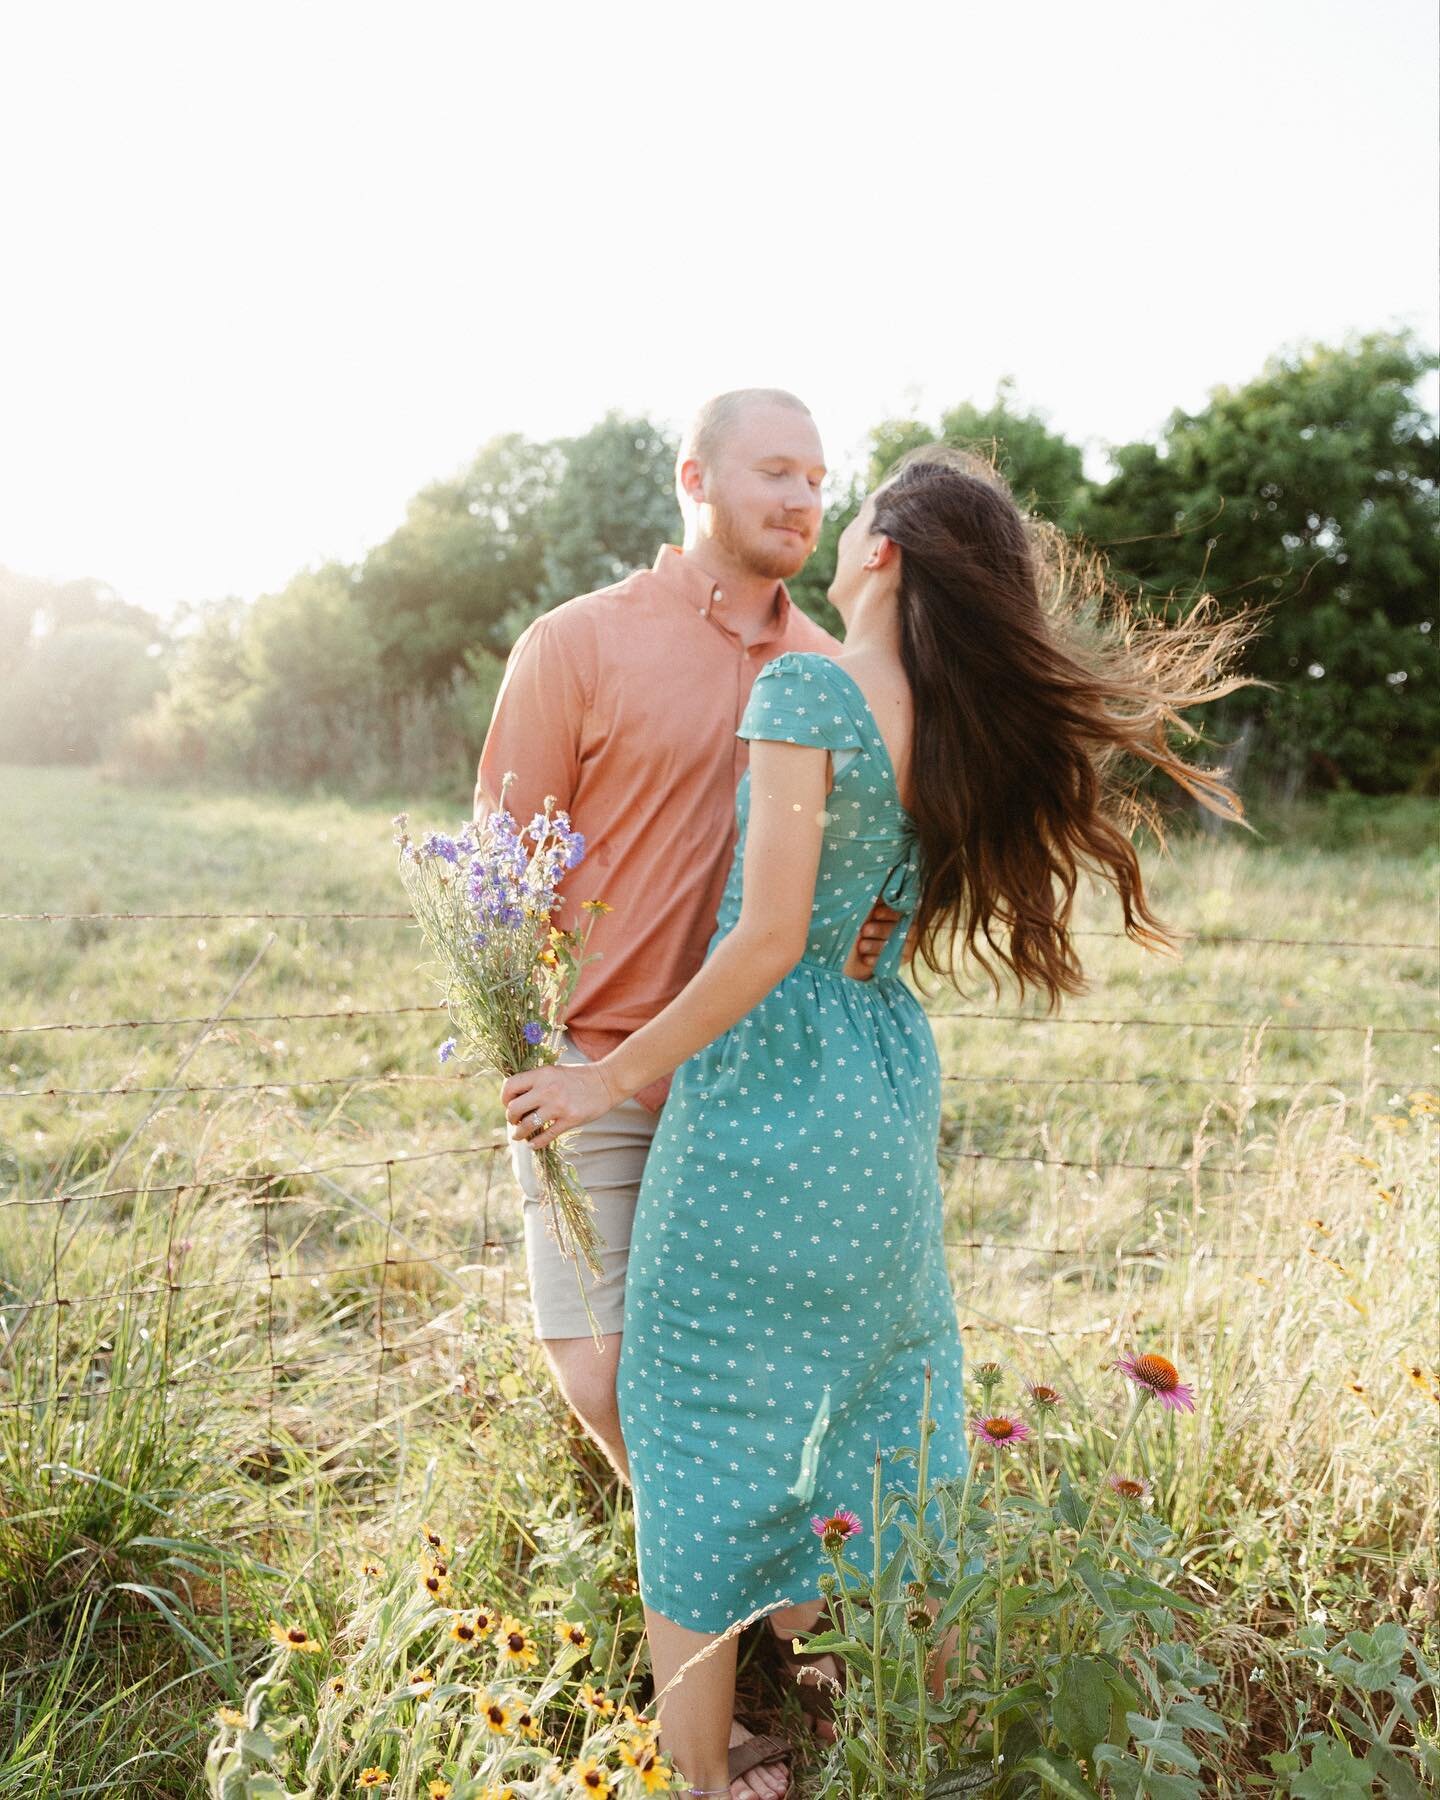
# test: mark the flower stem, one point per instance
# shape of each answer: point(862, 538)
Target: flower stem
point(999, 1603)
point(877, 1639)
point(1141, 1396)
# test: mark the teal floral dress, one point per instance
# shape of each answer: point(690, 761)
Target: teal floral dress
point(787, 1282)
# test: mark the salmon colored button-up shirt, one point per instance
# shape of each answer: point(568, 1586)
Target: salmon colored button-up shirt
point(624, 705)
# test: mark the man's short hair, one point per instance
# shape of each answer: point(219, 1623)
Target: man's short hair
point(715, 420)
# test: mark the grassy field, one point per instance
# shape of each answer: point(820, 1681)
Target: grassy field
point(291, 1326)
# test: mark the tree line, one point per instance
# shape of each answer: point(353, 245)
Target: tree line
point(1313, 487)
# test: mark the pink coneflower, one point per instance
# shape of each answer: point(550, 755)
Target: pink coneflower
point(1001, 1431)
point(1131, 1487)
point(1160, 1378)
point(1043, 1395)
point(833, 1531)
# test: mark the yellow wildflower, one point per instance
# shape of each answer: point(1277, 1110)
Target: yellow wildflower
point(422, 1681)
point(374, 1778)
point(596, 1701)
point(517, 1648)
point(227, 1715)
point(370, 1568)
point(495, 1713)
point(439, 1789)
point(645, 1759)
point(596, 906)
point(295, 1637)
point(592, 1778)
point(575, 1635)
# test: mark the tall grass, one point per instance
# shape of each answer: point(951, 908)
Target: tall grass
point(319, 1362)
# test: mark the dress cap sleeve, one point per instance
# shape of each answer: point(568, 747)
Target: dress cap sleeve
point(795, 701)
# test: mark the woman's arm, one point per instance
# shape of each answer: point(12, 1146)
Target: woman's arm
point(782, 859)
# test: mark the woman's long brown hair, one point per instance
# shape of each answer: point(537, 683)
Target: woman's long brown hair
point(1034, 681)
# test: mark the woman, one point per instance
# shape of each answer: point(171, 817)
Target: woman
point(787, 1280)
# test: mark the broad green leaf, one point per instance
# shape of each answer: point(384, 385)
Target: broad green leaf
point(1081, 1706)
point(1060, 1775)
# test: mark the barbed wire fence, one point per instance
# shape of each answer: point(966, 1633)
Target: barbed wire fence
point(389, 1342)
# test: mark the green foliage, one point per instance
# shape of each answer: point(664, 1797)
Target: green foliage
point(613, 507)
point(1058, 1622)
point(1312, 488)
point(76, 662)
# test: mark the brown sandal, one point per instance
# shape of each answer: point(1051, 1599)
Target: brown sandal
point(756, 1752)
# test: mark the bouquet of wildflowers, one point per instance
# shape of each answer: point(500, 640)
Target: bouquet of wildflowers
point(483, 902)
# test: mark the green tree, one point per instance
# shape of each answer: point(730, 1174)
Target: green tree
point(612, 508)
point(73, 690)
point(469, 556)
point(1313, 488)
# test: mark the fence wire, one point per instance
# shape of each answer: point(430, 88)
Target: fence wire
point(387, 1343)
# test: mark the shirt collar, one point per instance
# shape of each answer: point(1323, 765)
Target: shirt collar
point(700, 590)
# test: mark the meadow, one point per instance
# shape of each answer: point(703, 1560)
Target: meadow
point(263, 1316)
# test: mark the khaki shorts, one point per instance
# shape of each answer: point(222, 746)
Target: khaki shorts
point(609, 1157)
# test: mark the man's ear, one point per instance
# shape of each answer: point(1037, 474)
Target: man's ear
point(692, 480)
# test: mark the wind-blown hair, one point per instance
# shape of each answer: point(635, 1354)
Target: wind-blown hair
point(1034, 682)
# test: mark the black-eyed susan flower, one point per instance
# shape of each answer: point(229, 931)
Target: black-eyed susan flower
point(516, 1646)
point(643, 1756)
point(336, 1686)
point(497, 1793)
point(464, 1629)
point(496, 1714)
point(526, 1723)
point(596, 906)
point(370, 1568)
point(1131, 1488)
point(229, 1717)
point(295, 1637)
point(435, 1579)
point(422, 1681)
point(596, 1701)
point(435, 1542)
point(373, 1778)
point(575, 1635)
point(438, 1789)
point(592, 1777)
point(1002, 1431)
point(1159, 1378)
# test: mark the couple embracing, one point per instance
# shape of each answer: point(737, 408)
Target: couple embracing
point(749, 1090)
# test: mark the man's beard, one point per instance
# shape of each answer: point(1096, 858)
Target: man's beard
point(773, 563)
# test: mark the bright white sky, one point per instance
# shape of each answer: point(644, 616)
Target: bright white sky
point(268, 268)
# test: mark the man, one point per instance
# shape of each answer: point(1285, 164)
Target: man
point(623, 705)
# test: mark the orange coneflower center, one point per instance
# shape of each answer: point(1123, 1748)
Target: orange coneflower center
point(1000, 1427)
point(1047, 1396)
point(1131, 1490)
point(1157, 1373)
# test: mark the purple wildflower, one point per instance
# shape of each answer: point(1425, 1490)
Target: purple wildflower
point(447, 1050)
point(534, 1031)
